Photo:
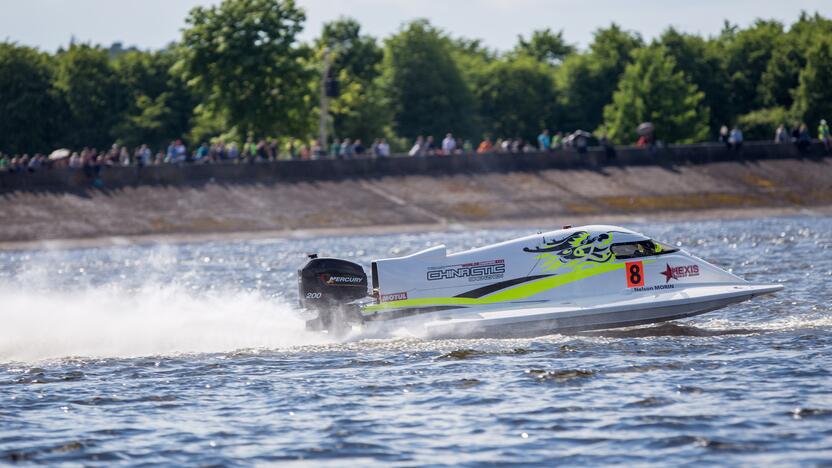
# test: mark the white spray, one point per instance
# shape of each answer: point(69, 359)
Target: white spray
point(111, 322)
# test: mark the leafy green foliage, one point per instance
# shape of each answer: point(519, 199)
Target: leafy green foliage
point(243, 56)
point(424, 85)
point(545, 46)
point(361, 110)
point(94, 96)
point(747, 54)
point(240, 69)
point(159, 104)
point(516, 97)
point(653, 90)
point(762, 124)
point(30, 106)
point(701, 60)
point(813, 98)
point(586, 82)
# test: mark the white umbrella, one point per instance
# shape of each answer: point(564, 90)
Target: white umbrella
point(645, 128)
point(59, 154)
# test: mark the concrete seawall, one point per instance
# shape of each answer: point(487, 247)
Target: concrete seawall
point(433, 191)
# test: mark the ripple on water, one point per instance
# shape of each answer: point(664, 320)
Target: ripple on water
point(202, 363)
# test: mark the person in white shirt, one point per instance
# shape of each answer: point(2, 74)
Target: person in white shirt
point(383, 148)
point(448, 144)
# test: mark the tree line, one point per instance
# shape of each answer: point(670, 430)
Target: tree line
point(239, 69)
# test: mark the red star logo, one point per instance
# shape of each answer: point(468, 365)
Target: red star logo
point(668, 274)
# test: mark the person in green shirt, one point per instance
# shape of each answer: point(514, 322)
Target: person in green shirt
point(557, 141)
point(824, 135)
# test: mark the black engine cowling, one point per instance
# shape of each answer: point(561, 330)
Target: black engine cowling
point(328, 286)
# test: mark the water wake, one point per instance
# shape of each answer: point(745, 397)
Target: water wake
point(110, 322)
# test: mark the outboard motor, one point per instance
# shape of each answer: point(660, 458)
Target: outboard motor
point(328, 286)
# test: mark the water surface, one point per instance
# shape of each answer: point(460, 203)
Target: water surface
point(194, 354)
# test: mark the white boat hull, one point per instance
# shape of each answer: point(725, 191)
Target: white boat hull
point(523, 320)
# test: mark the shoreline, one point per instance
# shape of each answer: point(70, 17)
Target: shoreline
point(371, 230)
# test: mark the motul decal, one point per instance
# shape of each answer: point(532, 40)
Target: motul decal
point(401, 296)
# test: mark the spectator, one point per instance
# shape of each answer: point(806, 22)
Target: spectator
point(781, 135)
point(430, 146)
point(124, 156)
point(262, 150)
point(544, 141)
point(293, 150)
point(581, 142)
point(318, 150)
point(335, 149)
point(804, 139)
point(418, 148)
point(467, 147)
point(485, 146)
point(516, 145)
point(233, 151)
point(75, 160)
point(346, 151)
point(609, 149)
point(723, 136)
point(202, 153)
point(735, 138)
point(448, 144)
point(824, 136)
point(557, 141)
point(143, 156)
point(382, 148)
point(358, 148)
point(4, 163)
point(249, 148)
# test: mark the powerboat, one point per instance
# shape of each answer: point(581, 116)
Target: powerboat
point(569, 280)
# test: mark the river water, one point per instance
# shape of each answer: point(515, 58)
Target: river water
point(193, 354)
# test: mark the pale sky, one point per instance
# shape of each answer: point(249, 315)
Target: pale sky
point(150, 24)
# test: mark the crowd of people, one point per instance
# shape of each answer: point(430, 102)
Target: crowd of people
point(270, 149)
point(799, 136)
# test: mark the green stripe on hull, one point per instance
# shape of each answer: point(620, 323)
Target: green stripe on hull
point(522, 291)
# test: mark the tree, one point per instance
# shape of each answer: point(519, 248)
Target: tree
point(653, 90)
point(747, 53)
point(701, 61)
point(813, 98)
point(545, 46)
point(516, 97)
point(782, 75)
point(243, 57)
point(159, 104)
point(586, 82)
point(361, 110)
point(28, 103)
point(94, 96)
point(426, 89)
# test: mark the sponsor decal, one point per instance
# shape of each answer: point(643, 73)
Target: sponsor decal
point(475, 271)
point(657, 287)
point(341, 280)
point(677, 272)
point(635, 274)
point(400, 296)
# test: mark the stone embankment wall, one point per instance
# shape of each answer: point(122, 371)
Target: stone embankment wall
point(431, 191)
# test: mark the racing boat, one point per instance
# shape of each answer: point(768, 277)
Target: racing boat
point(573, 279)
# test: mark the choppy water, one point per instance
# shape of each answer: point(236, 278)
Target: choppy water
point(192, 354)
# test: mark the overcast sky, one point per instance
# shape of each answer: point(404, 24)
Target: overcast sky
point(49, 24)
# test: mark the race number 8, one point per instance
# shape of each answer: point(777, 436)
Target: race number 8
point(635, 274)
